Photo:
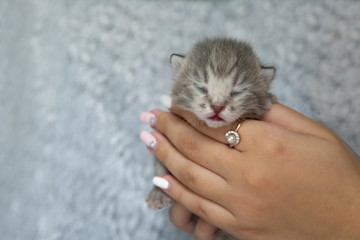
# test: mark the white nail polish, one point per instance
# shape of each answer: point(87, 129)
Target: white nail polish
point(161, 182)
point(166, 101)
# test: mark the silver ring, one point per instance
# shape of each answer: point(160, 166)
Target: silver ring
point(233, 137)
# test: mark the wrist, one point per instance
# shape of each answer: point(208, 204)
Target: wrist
point(351, 228)
point(354, 226)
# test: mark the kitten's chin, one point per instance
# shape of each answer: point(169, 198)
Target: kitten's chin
point(215, 124)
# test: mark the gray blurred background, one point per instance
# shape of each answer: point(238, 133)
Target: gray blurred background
point(75, 75)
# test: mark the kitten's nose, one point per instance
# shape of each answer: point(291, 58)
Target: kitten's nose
point(217, 108)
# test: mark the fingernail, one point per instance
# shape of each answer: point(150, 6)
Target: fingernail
point(166, 101)
point(148, 139)
point(161, 182)
point(148, 118)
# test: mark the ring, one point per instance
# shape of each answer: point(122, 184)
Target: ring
point(232, 137)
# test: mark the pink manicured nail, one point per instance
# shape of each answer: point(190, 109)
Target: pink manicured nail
point(148, 139)
point(148, 118)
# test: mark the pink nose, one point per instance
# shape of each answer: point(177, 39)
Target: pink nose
point(217, 108)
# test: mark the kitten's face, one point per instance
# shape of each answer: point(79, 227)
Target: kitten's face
point(218, 87)
point(217, 100)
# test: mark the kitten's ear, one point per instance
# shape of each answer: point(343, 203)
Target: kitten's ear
point(177, 63)
point(267, 74)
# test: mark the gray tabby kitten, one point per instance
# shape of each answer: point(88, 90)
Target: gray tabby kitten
point(221, 81)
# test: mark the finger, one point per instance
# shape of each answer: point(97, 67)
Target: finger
point(210, 211)
point(197, 178)
point(204, 230)
point(279, 115)
point(217, 134)
point(189, 223)
point(193, 144)
point(290, 119)
point(247, 131)
point(182, 218)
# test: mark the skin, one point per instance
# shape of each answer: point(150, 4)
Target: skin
point(290, 177)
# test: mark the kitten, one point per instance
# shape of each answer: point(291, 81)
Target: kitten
point(220, 80)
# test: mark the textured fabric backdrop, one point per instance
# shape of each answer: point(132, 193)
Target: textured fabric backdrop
point(75, 75)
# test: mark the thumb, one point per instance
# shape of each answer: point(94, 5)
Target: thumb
point(292, 120)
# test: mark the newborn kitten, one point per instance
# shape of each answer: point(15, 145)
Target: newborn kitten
point(220, 80)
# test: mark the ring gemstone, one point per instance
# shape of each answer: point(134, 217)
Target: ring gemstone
point(233, 138)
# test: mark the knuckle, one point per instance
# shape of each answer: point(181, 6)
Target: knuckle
point(201, 210)
point(258, 178)
point(274, 148)
point(271, 144)
point(189, 176)
point(187, 143)
point(163, 154)
point(179, 196)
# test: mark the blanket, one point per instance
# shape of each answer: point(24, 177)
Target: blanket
point(75, 75)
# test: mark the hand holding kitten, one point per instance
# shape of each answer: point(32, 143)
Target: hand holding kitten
point(288, 178)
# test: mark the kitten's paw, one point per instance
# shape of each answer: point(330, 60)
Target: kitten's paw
point(221, 235)
point(157, 199)
point(272, 99)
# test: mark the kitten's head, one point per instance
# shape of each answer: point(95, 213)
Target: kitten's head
point(220, 81)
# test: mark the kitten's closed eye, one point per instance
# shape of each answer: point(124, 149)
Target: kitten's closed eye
point(202, 89)
point(235, 93)
point(238, 92)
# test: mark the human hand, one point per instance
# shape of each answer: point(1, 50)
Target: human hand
point(288, 178)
